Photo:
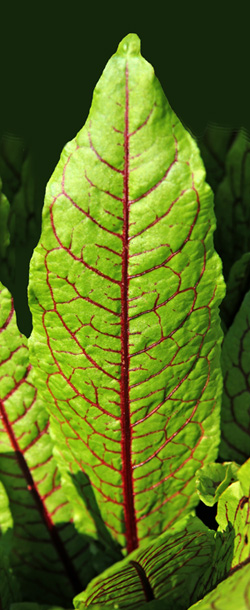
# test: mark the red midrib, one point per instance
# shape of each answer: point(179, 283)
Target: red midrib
point(127, 481)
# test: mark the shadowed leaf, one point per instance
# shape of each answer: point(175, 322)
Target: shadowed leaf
point(48, 557)
point(235, 413)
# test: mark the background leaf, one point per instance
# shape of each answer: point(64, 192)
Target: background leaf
point(232, 204)
point(9, 589)
point(214, 145)
point(233, 592)
point(124, 298)
point(235, 415)
point(238, 284)
point(213, 479)
point(48, 557)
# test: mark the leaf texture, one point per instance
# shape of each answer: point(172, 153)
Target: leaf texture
point(232, 204)
point(170, 569)
point(48, 557)
point(235, 413)
point(238, 284)
point(214, 145)
point(234, 592)
point(9, 589)
point(124, 292)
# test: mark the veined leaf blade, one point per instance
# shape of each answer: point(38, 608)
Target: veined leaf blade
point(169, 569)
point(235, 417)
point(231, 593)
point(45, 543)
point(124, 293)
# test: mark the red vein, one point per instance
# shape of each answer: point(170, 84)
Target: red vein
point(129, 508)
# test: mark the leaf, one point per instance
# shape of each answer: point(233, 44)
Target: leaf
point(124, 292)
point(169, 569)
point(233, 510)
point(235, 415)
point(237, 285)
point(233, 592)
point(4, 234)
point(17, 174)
point(49, 559)
point(214, 146)
point(232, 204)
point(213, 479)
point(9, 590)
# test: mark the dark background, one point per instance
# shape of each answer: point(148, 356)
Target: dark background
point(51, 59)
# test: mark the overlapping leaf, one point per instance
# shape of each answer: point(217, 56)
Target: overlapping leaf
point(232, 593)
point(238, 284)
point(173, 568)
point(4, 234)
point(124, 292)
point(50, 561)
point(214, 145)
point(235, 414)
point(170, 569)
point(9, 589)
point(17, 174)
point(232, 204)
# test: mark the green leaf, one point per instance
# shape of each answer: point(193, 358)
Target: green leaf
point(233, 510)
point(17, 174)
point(213, 479)
point(124, 292)
point(232, 593)
point(237, 285)
point(169, 569)
point(4, 235)
point(45, 543)
point(232, 204)
point(235, 415)
point(9, 589)
point(214, 146)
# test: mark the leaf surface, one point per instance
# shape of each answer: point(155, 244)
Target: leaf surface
point(235, 413)
point(4, 234)
point(9, 589)
point(213, 479)
point(232, 593)
point(214, 146)
point(232, 204)
point(124, 292)
point(169, 569)
point(238, 284)
point(49, 559)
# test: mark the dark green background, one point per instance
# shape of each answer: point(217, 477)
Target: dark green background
point(51, 59)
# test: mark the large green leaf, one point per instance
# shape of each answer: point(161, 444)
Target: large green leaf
point(169, 569)
point(189, 560)
point(235, 414)
point(124, 292)
point(49, 559)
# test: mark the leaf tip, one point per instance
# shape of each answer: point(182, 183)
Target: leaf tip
point(130, 45)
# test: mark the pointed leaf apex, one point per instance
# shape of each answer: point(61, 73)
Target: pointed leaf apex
point(130, 45)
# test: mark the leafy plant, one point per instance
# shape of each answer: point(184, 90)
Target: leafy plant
point(110, 411)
